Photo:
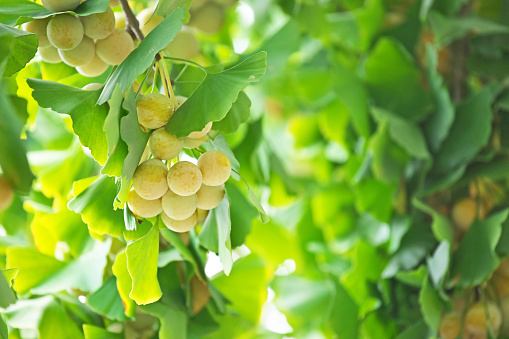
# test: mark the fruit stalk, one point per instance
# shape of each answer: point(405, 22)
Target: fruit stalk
point(131, 23)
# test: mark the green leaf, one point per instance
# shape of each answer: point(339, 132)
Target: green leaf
point(438, 263)
point(250, 273)
point(27, 313)
point(442, 228)
point(406, 134)
point(13, 159)
point(214, 97)
point(124, 283)
point(15, 12)
point(95, 204)
point(107, 301)
point(175, 241)
point(346, 309)
point(87, 117)
point(215, 234)
point(448, 29)
point(394, 81)
point(303, 300)
point(241, 215)
point(21, 46)
point(165, 7)
point(10, 274)
point(94, 332)
point(173, 321)
point(142, 265)
point(4, 334)
point(431, 305)
point(470, 132)
point(55, 323)
point(143, 55)
point(238, 114)
point(475, 260)
point(112, 122)
point(136, 140)
point(440, 121)
point(6, 295)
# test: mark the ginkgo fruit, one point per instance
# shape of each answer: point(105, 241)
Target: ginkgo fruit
point(149, 179)
point(40, 28)
point(184, 178)
point(50, 54)
point(465, 211)
point(200, 294)
point(154, 110)
point(215, 168)
point(115, 47)
point(65, 31)
point(210, 197)
point(202, 215)
point(208, 18)
point(179, 225)
point(81, 55)
point(6, 193)
point(148, 20)
point(94, 68)
point(164, 145)
point(184, 45)
point(60, 5)
point(142, 207)
point(98, 25)
point(119, 20)
point(203, 132)
point(178, 207)
point(191, 143)
point(114, 3)
point(477, 317)
point(450, 326)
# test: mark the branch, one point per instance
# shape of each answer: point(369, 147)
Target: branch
point(131, 23)
point(460, 50)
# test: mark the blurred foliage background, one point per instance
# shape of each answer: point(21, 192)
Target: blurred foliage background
point(373, 120)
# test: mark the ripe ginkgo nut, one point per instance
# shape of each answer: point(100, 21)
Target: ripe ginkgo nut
point(142, 207)
point(191, 143)
point(184, 45)
point(148, 20)
point(94, 68)
point(98, 25)
point(65, 31)
point(39, 27)
point(477, 317)
point(6, 193)
point(184, 178)
point(81, 55)
point(450, 326)
point(215, 168)
point(60, 5)
point(164, 145)
point(210, 197)
point(203, 132)
point(179, 225)
point(179, 207)
point(149, 179)
point(202, 215)
point(115, 47)
point(154, 110)
point(208, 18)
point(465, 211)
point(50, 54)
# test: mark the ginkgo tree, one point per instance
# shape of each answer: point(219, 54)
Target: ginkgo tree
point(254, 169)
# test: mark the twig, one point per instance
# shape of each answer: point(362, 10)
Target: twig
point(460, 51)
point(131, 23)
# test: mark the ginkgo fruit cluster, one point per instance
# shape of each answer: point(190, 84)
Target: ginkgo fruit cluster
point(182, 193)
point(90, 43)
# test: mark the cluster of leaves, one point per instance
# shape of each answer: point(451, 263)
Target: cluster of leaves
point(394, 109)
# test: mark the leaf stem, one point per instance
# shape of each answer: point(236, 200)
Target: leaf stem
point(189, 62)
